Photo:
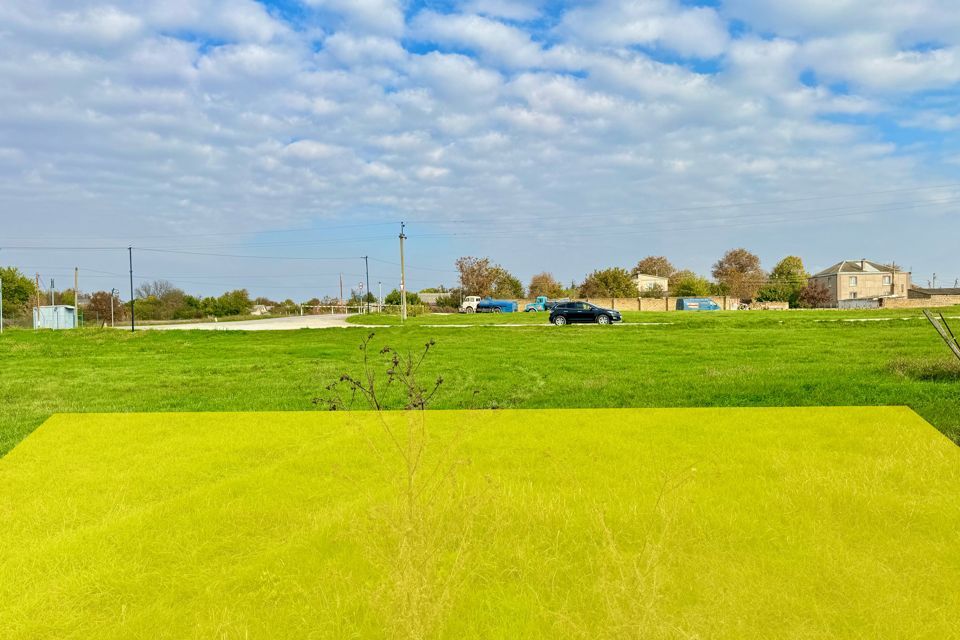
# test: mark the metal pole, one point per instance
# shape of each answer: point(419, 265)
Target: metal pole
point(380, 297)
point(133, 322)
point(113, 294)
point(366, 265)
point(52, 289)
point(76, 297)
point(403, 279)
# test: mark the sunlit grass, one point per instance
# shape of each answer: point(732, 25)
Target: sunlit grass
point(729, 359)
point(739, 523)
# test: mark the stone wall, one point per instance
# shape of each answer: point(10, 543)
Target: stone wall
point(919, 303)
point(644, 304)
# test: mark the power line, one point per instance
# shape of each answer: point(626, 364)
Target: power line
point(228, 255)
point(212, 234)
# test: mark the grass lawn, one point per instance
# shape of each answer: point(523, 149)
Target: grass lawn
point(728, 359)
point(702, 523)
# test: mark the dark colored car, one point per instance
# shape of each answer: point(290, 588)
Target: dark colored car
point(570, 312)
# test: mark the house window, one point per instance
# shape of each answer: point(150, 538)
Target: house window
point(853, 281)
point(887, 279)
point(853, 295)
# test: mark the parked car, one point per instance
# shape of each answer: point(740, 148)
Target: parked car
point(570, 312)
point(489, 305)
point(697, 304)
point(542, 303)
point(469, 304)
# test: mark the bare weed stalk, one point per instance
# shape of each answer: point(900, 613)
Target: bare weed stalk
point(425, 534)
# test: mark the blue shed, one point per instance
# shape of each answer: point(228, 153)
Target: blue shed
point(59, 316)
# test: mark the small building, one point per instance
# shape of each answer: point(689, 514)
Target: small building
point(60, 316)
point(430, 297)
point(647, 283)
point(851, 282)
point(261, 310)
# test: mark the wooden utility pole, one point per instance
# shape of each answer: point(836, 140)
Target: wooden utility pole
point(133, 315)
point(76, 297)
point(403, 278)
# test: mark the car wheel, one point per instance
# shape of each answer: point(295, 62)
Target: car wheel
point(559, 321)
point(603, 319)
point(471, 310)
point(528, 310)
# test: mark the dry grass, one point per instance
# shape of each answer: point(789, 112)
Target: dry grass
point(708, 523)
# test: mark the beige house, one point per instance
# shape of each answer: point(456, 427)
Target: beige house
point(647, 283)
point(863, 280)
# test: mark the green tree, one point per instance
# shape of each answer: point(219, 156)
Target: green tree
point(18, 291)
point(656, 291)
point(614, 282)
point(476, 276)
point(787, 280)
point(655, 266)
point(740, 274)
point(393, 298)
point(688, 284)
point(505, 284)
point(544, 284)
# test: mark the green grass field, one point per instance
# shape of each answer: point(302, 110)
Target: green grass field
point(705, 523)
point(724, 359)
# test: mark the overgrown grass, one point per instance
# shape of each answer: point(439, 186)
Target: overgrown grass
point(723, 359)
point(726, 524)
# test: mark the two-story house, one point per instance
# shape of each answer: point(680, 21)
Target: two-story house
point(863, 280)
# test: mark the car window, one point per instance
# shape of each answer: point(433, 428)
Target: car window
point(583, 306)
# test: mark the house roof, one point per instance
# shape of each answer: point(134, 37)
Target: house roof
point(857, 266)
point(941, 291)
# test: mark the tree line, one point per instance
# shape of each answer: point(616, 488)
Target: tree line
point(738, 273)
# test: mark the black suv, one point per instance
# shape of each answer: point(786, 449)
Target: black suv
point(569, 312)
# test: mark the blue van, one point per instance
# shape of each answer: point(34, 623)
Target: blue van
point(697, 304)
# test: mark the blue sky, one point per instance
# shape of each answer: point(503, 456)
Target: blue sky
point(269, 145)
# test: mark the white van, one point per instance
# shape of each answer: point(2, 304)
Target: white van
point(469, 304)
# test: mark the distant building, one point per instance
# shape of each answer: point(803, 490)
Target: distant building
point(863, 280)
point(261, 310)
point(647, 282)
point(59, 316)
point(431, 297)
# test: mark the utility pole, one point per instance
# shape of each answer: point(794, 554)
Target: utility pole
point(76, 297)
point(366, 266)
point(934, 281)
point(113, 294)
point(341, 289)
point(380, 297)
point(403, 279)
point(56, 316)
point(133, 322)
point(37, 288)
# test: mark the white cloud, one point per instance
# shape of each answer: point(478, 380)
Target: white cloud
point(874, 62)
point(519, 10)
point(376, 16)
point(690, 31)
point(493, 40)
